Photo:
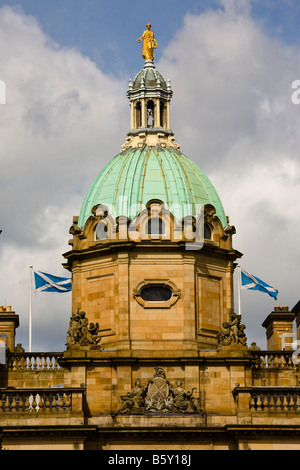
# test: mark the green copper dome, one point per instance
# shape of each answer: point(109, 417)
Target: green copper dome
point(138, 175)
point(149, 77)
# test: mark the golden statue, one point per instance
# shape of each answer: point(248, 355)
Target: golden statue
point(149, 43)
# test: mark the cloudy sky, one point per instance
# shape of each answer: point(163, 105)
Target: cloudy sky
point(66, 66)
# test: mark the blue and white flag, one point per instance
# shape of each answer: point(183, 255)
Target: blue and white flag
point(49, 283)
point(248, 281)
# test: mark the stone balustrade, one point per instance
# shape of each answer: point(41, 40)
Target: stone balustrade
point(274, 359)
point(41, 400)
point(33, 361)
point(277, 399)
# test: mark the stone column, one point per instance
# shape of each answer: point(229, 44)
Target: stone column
point(168, 115)
point(132, 117)
point(157, 122)
point(143, 113)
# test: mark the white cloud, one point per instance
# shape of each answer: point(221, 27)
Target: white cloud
point(232, 114)
point(236, 7)
point(64, 119)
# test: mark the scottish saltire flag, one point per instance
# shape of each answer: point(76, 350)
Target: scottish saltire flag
point(49, 283)
point(248, 281)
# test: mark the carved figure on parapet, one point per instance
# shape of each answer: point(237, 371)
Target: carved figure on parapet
point(254, 347)
point(182, 399)
point(19, 348)
point(159, 396)
point(232, 332)
point(83, 333)
point(133, 402)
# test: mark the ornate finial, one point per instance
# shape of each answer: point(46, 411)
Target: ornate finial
point(149, 43)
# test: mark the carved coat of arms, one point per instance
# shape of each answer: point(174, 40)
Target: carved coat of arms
point(159, 396)
point(158, 393)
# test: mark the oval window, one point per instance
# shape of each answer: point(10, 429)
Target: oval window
point(156, 293)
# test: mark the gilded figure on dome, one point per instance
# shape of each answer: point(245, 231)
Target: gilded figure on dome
point(149, 43)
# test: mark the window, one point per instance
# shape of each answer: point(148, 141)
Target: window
point(150, 114)
point(156, 293)
point(138, 115)
point(162, 111)
point(155, 226)
point(101, 230)
point(207, 232)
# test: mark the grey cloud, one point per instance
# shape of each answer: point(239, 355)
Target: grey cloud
point(231, 113)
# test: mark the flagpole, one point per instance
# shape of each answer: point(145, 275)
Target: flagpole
point(239, 289)
point(30, 307)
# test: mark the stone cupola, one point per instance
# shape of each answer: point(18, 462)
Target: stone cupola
point(149, 95)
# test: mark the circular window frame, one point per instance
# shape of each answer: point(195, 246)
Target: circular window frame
point(156, 304)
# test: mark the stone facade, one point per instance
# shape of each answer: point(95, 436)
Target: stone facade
point(155, 356)
point(174, 373)
point(107, 276)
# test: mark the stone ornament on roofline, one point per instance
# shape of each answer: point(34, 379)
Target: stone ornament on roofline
point(83, 333)
point(232, 332)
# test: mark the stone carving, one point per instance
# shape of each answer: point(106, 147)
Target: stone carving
point(133, 401)
point(127, 144)
point(182, 400)
point(174, 144)
point(83, 333)
point(158, 393)
point(159, 396)
point(254, 347)
point(232, 332)
point(142, 138)
point(159, 138)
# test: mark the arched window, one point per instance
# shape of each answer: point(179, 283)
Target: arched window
point(207, 232)
point(155, 226)
point(162, 110)
point(150, 113)
point(101, 230)
point(138, 115)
